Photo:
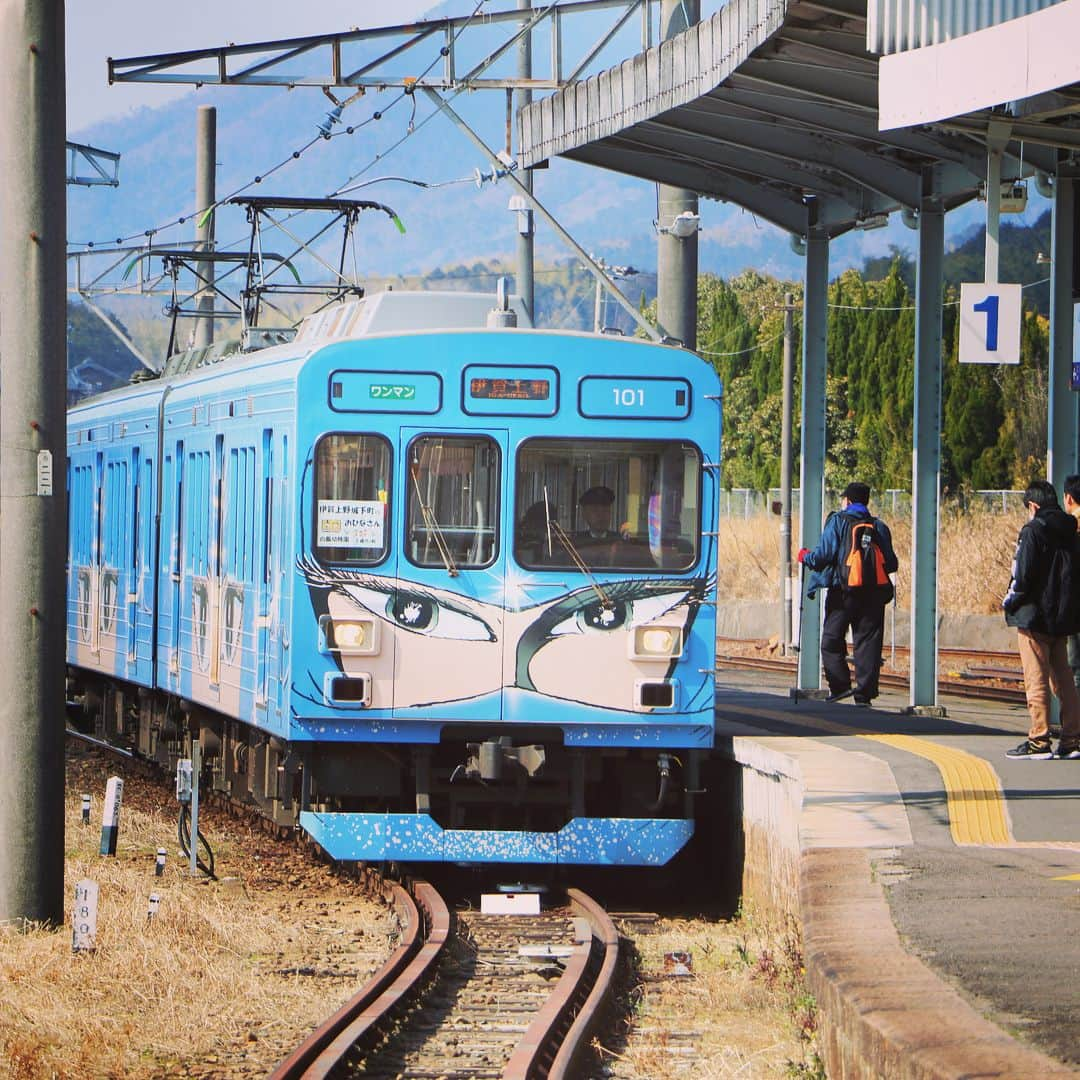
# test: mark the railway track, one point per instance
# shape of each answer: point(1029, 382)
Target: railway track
point(979, 683)
point(469, 995)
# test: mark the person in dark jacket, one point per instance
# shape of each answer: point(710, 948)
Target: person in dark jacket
point(861, 609)
point(1042, 604)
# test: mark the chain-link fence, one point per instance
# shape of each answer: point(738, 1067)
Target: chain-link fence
point(894, 502)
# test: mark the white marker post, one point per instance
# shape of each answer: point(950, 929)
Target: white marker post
point(110, 819)
point(84, 916)
point(86, 808)
point(159, 862)
point(152, 909)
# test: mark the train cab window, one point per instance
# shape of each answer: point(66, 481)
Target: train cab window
point(624, 504)
point(352, 499)
point(453, 509)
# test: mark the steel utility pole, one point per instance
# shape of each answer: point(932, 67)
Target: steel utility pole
point(526, 230)
point(677, 249)
point(33, 512)
point(205, 186)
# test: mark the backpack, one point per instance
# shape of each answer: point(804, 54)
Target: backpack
point(862, 562)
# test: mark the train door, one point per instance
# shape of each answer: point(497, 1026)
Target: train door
point(235, 584)
point(134, 581)
point(451, 570)
point(176, 559)
point(266, 579)
point(215, 568)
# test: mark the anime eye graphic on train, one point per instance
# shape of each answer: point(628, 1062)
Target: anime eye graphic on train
point(573, 647)
point(430, 612)
point(612, 613)
point(570, 648)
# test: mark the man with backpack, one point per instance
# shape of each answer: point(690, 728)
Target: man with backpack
point(852, 562)
point(1043, 603)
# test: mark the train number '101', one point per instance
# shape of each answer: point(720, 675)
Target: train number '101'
point(628, 397)
point(613, 396)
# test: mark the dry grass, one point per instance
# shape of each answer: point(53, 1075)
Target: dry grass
point(975, 549)
point(744, 1012)
point(210, 987)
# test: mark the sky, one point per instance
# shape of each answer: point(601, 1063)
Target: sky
point(98, 29)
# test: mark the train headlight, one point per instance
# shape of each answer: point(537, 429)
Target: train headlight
point(352, 636)
point(657, 642)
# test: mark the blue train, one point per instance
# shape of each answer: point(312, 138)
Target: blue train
point(430, 586)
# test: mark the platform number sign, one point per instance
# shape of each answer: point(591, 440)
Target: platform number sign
point(989, 323)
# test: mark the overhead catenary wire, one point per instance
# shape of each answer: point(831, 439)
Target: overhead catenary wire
point(295, 155)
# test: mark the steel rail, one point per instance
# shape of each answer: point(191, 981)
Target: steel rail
point(959, 687)
point(380, 1000)
point(558, 1036)
point(568, 1059)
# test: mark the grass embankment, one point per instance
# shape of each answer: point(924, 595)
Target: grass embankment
point(223, 982)
point(744, 1012)
point(975, 549)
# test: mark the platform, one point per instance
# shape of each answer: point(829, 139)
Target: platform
point(939, 881)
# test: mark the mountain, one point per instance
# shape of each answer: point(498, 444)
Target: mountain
point(259, 129)
point(393, 149)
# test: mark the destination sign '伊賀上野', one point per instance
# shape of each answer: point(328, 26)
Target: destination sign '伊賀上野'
point(510, 389)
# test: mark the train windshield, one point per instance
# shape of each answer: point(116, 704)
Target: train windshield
point(453, 509)
point(624, 504)
point(352, 498)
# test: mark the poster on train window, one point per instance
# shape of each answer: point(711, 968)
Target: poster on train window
point(351, 523)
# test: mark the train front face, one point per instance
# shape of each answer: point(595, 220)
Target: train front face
point(506, 541)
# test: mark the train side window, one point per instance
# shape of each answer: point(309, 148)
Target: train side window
point(624, 504)
point(453, 503)
point(352, 499)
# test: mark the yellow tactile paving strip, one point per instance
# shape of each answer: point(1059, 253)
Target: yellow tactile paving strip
point(977, 809)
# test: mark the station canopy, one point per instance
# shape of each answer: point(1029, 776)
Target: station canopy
point(773, 105)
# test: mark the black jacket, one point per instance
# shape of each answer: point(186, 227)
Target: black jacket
point(1044, 593)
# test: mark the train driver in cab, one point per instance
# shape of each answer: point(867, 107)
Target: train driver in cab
point(596, 506)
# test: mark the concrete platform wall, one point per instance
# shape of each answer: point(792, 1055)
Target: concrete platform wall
point(883, 1013)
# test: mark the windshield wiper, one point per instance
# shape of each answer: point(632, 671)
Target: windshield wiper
point(431, 523)
point(575, 556)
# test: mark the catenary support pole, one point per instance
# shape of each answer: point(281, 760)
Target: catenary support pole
point(812, 467)
point(785, 476)
point(526, 231)
point(587, 260)
point(676, 257)
point(1063, 425)
point(926, 457)
point(205, 187)
point(33, 513)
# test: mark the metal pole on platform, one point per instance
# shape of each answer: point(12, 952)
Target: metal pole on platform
point(33, 511)
point(785, 476)
point(926, 456)
point(812, 465)
point(676, 216)
point(205, 187)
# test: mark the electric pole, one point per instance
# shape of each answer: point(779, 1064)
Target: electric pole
point(205, 187)
point(33, 510)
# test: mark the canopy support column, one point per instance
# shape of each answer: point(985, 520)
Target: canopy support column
point(1063, 420)
point(812, 463)
point(926, 458)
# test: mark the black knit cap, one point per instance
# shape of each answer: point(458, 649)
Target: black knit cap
point(856, 492)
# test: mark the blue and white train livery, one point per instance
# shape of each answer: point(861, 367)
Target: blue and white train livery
point(429, 588)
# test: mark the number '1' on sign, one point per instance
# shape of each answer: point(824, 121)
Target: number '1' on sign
point(989, 323)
